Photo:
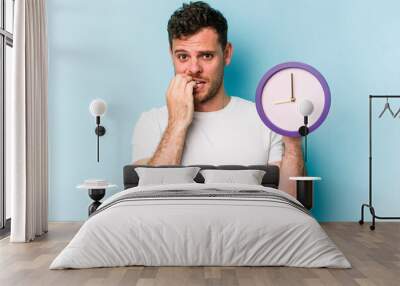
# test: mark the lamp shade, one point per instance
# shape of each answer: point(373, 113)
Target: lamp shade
point(306, 107)
point(98, 107)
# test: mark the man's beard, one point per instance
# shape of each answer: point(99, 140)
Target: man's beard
point(212, 92)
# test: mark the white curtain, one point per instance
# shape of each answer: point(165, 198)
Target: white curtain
point(27, 123)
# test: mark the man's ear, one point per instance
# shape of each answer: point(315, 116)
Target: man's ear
point(228, 52)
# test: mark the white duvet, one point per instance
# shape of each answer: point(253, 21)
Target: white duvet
point(200, 231)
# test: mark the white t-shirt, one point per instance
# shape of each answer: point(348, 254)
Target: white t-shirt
point(233, 135)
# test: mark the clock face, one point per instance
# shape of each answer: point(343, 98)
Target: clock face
point(283, 88)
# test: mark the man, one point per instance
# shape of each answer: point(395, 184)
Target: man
point(201, 124)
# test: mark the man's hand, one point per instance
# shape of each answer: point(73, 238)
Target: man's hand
point(180, 101)
point(180, 115)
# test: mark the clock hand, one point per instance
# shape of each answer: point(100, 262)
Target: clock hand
point(292, 98)
point(283, 101)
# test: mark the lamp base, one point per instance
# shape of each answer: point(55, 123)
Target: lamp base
point(303, 130)
point(100, 130)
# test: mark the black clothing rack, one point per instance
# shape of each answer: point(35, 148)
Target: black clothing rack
point(369, 205)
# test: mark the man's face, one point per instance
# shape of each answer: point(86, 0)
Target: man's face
point(201, 57)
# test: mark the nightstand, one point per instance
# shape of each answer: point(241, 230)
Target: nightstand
point(304, 189)
point(96, 190)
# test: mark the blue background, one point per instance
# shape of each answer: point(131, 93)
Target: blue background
point(118, 51)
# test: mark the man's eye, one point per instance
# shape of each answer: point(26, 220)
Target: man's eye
point(207, 56)
point(182, 57)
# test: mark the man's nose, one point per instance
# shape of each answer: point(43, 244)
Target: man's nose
point(194, 66)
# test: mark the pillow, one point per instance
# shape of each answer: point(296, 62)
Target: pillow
point(163, 176)
point(249, 177)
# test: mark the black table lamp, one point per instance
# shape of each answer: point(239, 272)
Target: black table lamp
point(305, 108)
point(98, 108)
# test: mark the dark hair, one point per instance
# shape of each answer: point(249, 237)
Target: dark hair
point(191, 18)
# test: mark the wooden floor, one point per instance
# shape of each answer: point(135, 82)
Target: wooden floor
point(374, 255)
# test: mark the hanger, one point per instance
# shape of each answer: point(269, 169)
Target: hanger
point(387, 107)
point(397, 113)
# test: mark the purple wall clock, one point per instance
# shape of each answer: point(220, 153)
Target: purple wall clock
point(283, 88)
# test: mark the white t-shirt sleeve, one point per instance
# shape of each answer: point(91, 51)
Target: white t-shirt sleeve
point(276, 148)
point(146, 136)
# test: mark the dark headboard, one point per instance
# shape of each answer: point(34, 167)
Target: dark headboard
point(270, 179)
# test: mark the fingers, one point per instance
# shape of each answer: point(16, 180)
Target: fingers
point(189, 88)
point(181, 81)
point(180, 99)
point(178, 84)
point(169, 89)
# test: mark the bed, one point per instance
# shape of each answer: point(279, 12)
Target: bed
point(201, 224)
